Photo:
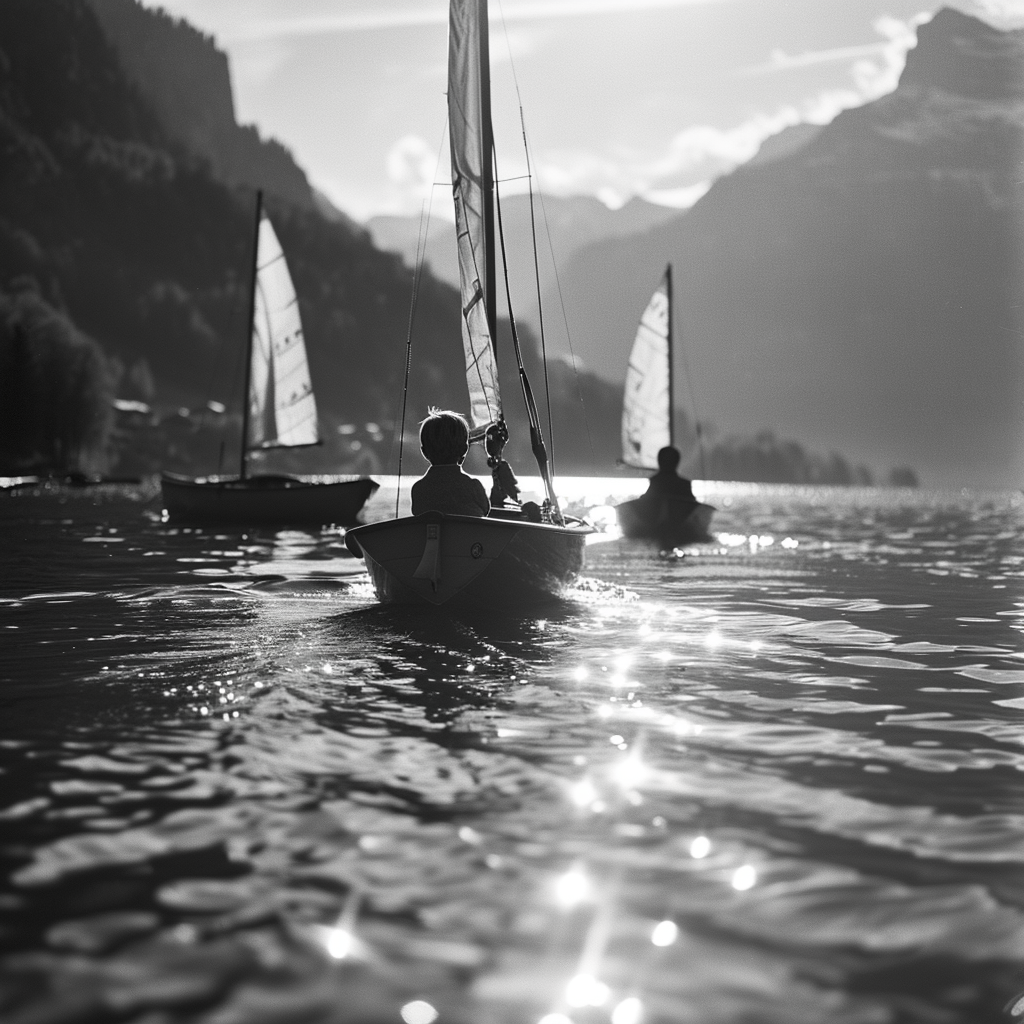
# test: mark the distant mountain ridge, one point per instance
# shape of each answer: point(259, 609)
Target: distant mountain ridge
point(563, 226)
point(862, 291)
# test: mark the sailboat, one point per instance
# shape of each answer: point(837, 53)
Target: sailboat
point(504, 560)
point(279, 412)
point(647, 427)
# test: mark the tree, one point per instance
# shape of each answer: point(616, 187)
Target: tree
point(55, 388)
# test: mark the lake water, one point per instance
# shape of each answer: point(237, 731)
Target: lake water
point(776, 780)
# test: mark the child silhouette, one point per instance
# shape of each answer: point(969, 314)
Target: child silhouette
point(445, 487)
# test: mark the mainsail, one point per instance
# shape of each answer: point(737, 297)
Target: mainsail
point(282, 409)
point(647, 403)
point(469, 126)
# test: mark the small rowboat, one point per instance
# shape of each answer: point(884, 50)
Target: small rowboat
point(671, 522)
point(465, 561)
point(264, 500)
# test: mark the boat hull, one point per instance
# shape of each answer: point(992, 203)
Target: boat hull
point(671, 522)
point(264, 501)
point(464, 561)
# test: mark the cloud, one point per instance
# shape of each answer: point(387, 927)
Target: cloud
point(680, 198)
point(410, 163)
point(678, 176)
point(874, 71)
point(376, 16)
point(698, 154)
point(411, 166)
point(1008, 13)
point(681, 173)
point(898, 37)
point(782, 61)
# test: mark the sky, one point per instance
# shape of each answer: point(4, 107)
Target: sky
point(619, 98)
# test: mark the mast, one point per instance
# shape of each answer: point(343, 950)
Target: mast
point(478, 230)
point(671, 384)
point(473, 191)
point(487, 175)
point(249, 333)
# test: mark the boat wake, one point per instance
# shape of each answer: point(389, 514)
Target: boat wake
point(594, 591)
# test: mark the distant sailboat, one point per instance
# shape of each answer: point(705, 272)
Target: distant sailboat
point(647, 427)
point(279, 412)
point(504, 560)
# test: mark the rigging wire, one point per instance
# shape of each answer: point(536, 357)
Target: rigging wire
point(420, 244)
point(693, 405)
point(540, 309)
point(236, 310)
point(565, 322)
point(421, 250)
point(536, 434)
point(533, 231)
point(554, 263)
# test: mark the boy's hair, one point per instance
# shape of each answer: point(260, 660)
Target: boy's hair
point(444, 437)
point(668, 458)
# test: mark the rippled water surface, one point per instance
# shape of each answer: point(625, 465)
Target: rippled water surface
point(776, 780)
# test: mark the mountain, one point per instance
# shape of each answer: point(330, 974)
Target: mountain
point(563, 224)
point(186, 82)
point(862, 289)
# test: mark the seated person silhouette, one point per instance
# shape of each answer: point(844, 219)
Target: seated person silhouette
point(667, 483)
point(444, 442)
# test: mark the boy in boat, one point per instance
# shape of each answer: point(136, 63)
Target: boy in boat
point(667, 483)
point(445, 487)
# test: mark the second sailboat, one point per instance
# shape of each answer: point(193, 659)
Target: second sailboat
point(648, 407)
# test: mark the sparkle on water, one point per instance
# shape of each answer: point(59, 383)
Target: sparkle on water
point(776, 777)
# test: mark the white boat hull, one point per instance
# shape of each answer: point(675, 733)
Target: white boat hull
point(464, 561)
point(264, 500)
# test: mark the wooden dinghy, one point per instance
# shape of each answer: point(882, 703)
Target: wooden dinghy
point(670, 522)
point(264, 500)
point(468, 562)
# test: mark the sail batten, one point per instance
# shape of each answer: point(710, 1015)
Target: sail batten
point(282, 408)
point(647, 401)
point(469, 131)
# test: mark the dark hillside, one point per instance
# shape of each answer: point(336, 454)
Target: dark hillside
point(186, 81)
point(148, 253)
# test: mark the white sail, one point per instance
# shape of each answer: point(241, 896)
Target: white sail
point(282, 409)
point(469, 130)
point(646, 406)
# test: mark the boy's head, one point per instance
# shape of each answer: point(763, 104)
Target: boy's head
point(668, 459)
point(444, 437)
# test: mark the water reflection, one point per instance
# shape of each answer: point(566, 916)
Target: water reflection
point(760, 782)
